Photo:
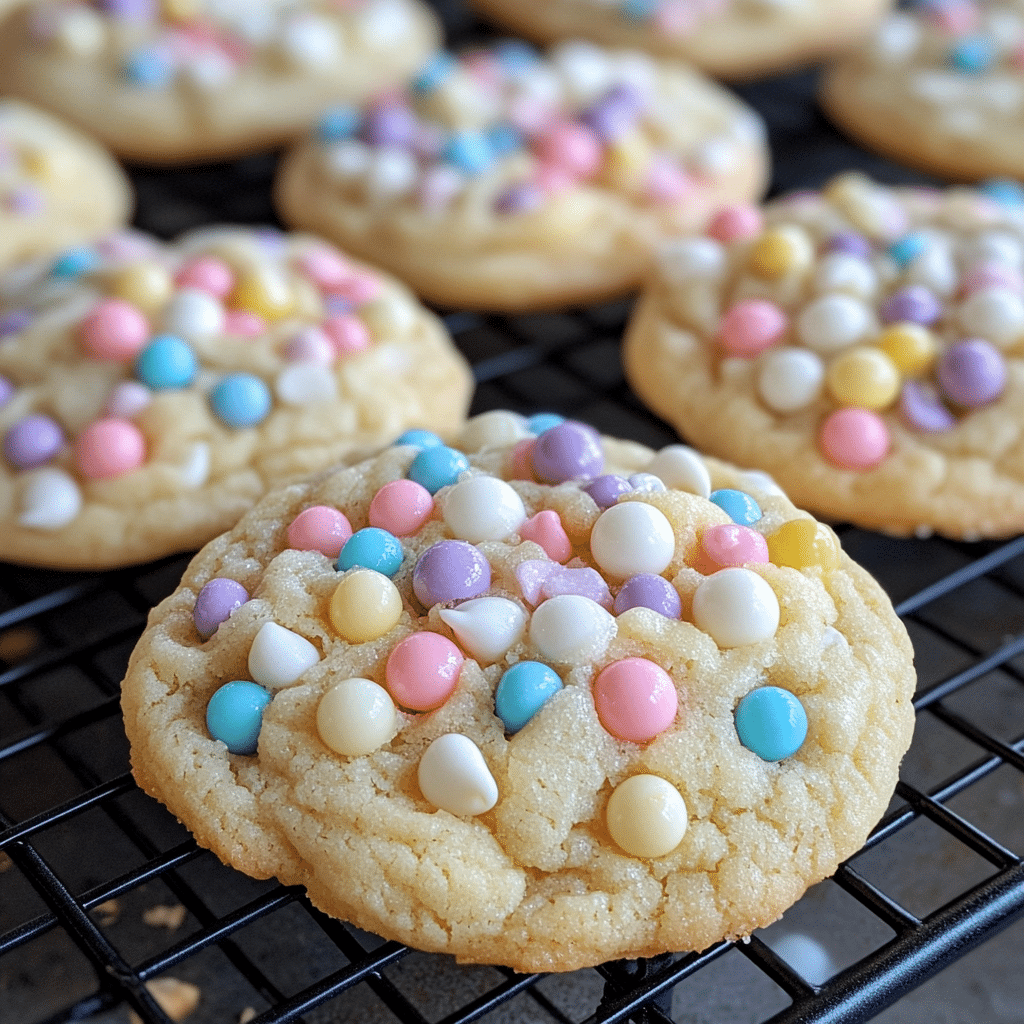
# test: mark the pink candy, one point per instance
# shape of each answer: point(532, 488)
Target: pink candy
point(401, 507)
point(545, 529)
point(320, 528)
point(207, 274)
point(243, 323)
point(115, 329)
point(540, 580)
point(735, 222)
point(347, 334)
point(108, 448)
point(750, 327)
point(635, 699)
point(553, 179)
point(312, 346)
point(731, 544)
point(358, 287)
point(521, 459)
point(854, 439)
point(574, 148)
point(989, 275)
point(326, 268)
point(667, 182)
point(423, 671)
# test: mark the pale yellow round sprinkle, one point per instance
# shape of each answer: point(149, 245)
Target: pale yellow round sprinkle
point(264, 293)
point(146, 285)
point(364, 606)
point(780, 252)
point(356, 716)
point(910, 346)
point(646, 816)
point(865, 377)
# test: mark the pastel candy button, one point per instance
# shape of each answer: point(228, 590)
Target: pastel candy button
point(635, 699)
point(486, 626)
point(401, 507)
point(681, 468)
point(790, 379)
point(356, 716)
point(570, 628)
point(451, 570)
point(166, 363)
point(739, 506)
point(646, 816)
point(33, 440)
point(50, 499)
point(802, 544)
point(647, 590)
point(972, 373)
point(750, 327)
point(736, 607)
point(522, 691)
point(771, 722)
point(278, 656)
point(215, 602)
point(482, 508)
point(109, 447)
point(241, 400)
point(235, 715)
point(854, 438)
point(437, 466)
point(208, 274)
point(423, 670)
point(419, 439)
point(454, 776)
point(364, 606)
point(371, 548)
point(319, 528)
point(632, 537)
point(567, 451)
point(731, 544)
point(115, 329)
point(605, 489)
point(832, 322)
point(195, 315)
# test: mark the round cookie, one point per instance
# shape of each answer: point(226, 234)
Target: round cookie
point(504, 180)
point(151, 392)
point(540, 724)
point(172, 81)
point(862, 345)
point(732, 39)
point(940, 86)
point(56, 186)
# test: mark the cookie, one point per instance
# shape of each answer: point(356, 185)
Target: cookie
point(56, 186)
point(504, 180)
point(559, 700)
point(940, 87)
point(733, 39)
point(150, 393)
point(862, 345)
point(172, 81)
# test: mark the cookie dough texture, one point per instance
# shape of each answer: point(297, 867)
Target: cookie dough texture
point(217, 81)
point(56, 186)
point(583, 240)
point(732, 39)
point(536, 883)
point(930, 94)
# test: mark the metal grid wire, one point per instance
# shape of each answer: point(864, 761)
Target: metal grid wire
point(86, 855)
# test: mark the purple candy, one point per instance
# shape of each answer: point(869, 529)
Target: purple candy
point(451, 570)
point(570, 451)
point(915, 304)
point(216, 601)
point(922, 409)
point(649, 591)
point(336, 305)
point(16, 320)
point(130, 10)
point(615, 113)
point(25, 199)
point(605, 490)
point(972, 373)
point(390, 125)
point(33, 441)
point(6, 390)
point(521, 197)
point(849, 242)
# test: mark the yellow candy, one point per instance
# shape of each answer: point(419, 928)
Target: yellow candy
point(40, 163)
point(646, 816)
point(356, 716)
point(146, 285)
point(910, 346)
point(865, 377)
point(626, 162)
point(364, 606)
point(781, 251)
point(265, 293)
point(846, 188)
point(181, 10)
point(803, 544)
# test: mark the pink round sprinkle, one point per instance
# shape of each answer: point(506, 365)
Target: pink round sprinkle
point(667, 182)
point(243, 323)
point(989, 275)
point(676, 19)
point(347, 334)
point(731, 544)
point(401, 507)
point(735, 222)
point(115, 329)
point(545, 529)
point(208, 274)
point(320, 528)
point(635, 699)
point(128, 399)
point(109, 447)
point(326, 268)
point(750, 327)
point(521, 459)
point(311, 346)
point(359, 286)
point(423, 670)
point(574, 148)
point(553, 179)
point(854, 438)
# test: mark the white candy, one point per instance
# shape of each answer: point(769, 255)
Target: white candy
point(195, 470)
point(379, 24)
point(278, 656)
point(50, 499)
point(209, 71)
point(833, 321)
point(310, 42)
point(682, 469)
point(630, 538)
point(647, 483)
point(81, 32)
point(806, 956)
point(194, 315)
point(716, 155)
point(128, 398)
point(306, 382)
point(996, 314)
point(994, 247)
point(392, 172)
point(571, 628)
point(497, 427)
point(897, 39)
point(257, 24)
point(486, 626)
point(686, 258)
point(347, 159)
point(843, 272)
point(756, 481)
point(790, 379)
point(482, 508)
point(831, 637)
point(454, 776)
point(356, 716)
point(935, 269)
point(584, 68)
point(735, 607)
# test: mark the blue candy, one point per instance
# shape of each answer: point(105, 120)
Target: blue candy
point(514, 55)
point(469, 151)
point(419, 438)
point(437, 467)
point(972, 55)
point(235, 715)
point(151, 69)
point(542, 421)
point(771, 722)
point(437, 69)
point(505, 139)
point(241, 400)
point(74, 262)
point(738, 505)
point(1004, 191)
point(336, 124)
point(906, 249)
point(371, 548)
point(167, 362)
point(522, 691)
point(638, 10)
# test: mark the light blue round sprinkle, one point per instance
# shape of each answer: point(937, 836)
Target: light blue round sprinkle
point(336, 124)
point(638, 10)
point(739, 506)
point(74, 262)
point(505, 139)
point(434, 72)
point(972, 55)
point(542, 421)
point(437, 467)
point(906, 249)
point(371, 548)
point(419, 438)
point(1004, 191)
point(522, 691)
point(469, 151)
point(151, 69)
point(241, 400)
point(166, 362)
point(771, 722)
point(514, 55)
point(235, 715)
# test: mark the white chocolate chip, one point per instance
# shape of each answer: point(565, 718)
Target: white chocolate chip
point(454, 776)
point(996, 314)
point(306, 382)
point(482, 508)
point(486, 626)
point(310, 42)
point(194, 315)
point(632, 537)
point(682, 469)
point(833, 321)
point(278, 657)
point(789, 379)
point(50, 499)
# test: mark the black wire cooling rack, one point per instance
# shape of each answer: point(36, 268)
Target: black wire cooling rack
point(90, 865)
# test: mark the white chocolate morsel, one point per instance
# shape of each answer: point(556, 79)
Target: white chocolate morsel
point(356, 716)
point(735, 607)
point(194, 315)
point(278, 657)
point(647, 483)
point(482, 508)
point(310, 42)
point(684, 259)
point(492, 428)
point(194, 469)
point(81, 32)
point(995, 314)
point(486, 626)
point(50, 499)
point(304, 383)
point(646, 816)
point(841, 272)
point(682, 469)
point(571, 628)
point(632, 537)
point(454, 776)
point(790, 379)
point(833, 322)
